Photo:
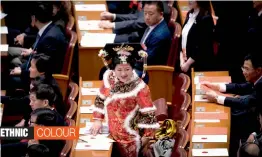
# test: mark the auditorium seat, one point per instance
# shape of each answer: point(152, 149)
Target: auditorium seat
point(69, 143)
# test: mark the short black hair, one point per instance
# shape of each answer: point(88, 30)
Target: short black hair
point(43, 11)
point(44, 91)
point(159, 4)
point(42, 63)
point(37, 150)
point(255, 59)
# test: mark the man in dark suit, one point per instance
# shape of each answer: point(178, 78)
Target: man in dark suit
point(157, 36)
point(129, 27)
point(50, 41)
point(244, 106)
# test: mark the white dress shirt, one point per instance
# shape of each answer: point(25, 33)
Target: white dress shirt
point(187, 27)
point(41, 31)
point(260, 13)
point(151, 29)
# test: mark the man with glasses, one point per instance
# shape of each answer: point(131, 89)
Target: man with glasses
point(244, 106)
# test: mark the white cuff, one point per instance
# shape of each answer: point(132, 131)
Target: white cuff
point(222, 88)
point(221, 99)
point(114, 25)
point(114, 17)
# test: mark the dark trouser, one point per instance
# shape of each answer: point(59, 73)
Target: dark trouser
point(14, 149)
point(241, 127)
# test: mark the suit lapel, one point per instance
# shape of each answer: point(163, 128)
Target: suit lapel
point(158, 26)
point(44, 33)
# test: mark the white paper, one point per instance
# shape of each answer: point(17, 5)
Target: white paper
point(103, 138)
point(93, 146)
point(86, 109)
point(207, 120)
point(89, 25)
point(84, 131)
point(209, 138)
point(210, 152)
point(3, 15)
point(90, 91)
point(4, 30)
point(3, 47)
point(199, 98)
point(90, 7)
point(97, 39)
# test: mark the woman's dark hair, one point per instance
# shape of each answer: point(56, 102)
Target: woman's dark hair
point(205, 7)
point(42, 63)
point(63, 12)
point(37, 150)
point(116, 60)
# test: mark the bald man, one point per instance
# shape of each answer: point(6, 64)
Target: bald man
point(248, 150)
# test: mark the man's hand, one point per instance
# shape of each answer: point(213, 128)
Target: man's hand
point(27, 52)
point(106, 16)
point(212, 86)
point(211, 96)
point(16, 71)
point(106, 24)
point(20, 39)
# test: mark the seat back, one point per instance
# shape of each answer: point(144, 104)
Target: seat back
point(182, 138)
point(181, 83)
point(63, 83)
point(72, 108)
point(161, 109)
point(182, 118)
point(160, 82)
point(179, 152)
point(69, 52)
point(71, 23)
point(69, 143)
point(176, 30)
point(73, 90)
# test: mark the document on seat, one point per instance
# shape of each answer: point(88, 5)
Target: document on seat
point(200, 98)
point(97, 39)
point(87, 109)
point(217, 79)
point(210, 152)
point(211, 115)
point(207, 120)
point(90, 7)
point(3, 48)
point(4, 30)
point(103, 138)
point(89, 25)
point(209, 138)
point(3, 15)
point(93, 146)
point(90, 91)
point(210, 131)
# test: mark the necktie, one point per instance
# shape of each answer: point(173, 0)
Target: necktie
point(33, 47)
point(145, 35)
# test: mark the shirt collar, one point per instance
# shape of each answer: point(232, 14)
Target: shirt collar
point(260, 13)
point(257, 80)
point(152, 27)
point(41, 31)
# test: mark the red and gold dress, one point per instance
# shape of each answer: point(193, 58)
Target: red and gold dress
point(128, 110)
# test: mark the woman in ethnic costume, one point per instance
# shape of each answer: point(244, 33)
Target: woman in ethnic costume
point(124, 101)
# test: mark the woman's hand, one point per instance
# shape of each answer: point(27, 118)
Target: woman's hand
point(96, 128)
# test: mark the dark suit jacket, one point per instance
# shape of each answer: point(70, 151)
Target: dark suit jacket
point(200, 41)
point(255, 33)
point(158, 44)
point(250, 96)
point(52, 43)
